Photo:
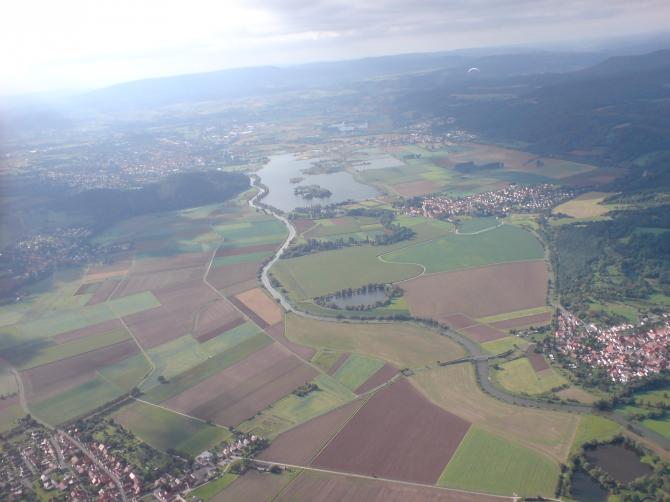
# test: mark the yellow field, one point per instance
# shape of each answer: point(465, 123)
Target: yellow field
point(588, 205)
point(402, 345)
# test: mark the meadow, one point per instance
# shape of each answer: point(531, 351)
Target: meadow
point(518, 376)
point(401, 344)
point(456, 251)
point(489, 462)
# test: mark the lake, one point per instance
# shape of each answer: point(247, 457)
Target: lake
point(368, 298)
point(276, 175)
point(620, 462)
point(584, 488)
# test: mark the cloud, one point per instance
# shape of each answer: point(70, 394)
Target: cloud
point(79, 43)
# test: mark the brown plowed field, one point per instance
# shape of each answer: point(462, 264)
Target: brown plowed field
point(229, 275)
point(277, 333)
point(266, 308)
point(252, 487)
point(338, 363)
point(458, 321)
point(302, 225)
point(137, 283)
point(416, 188)
point(48, 379)
point(246, 250)
point(482, 333)
point(94, 329)
point(101, 272)
point(529, 320)
point(381, 376)
point(175, 316)
point(325, 487)
point(299, 445)
point(186, 260)
point(478, 292)
point(215, 314)
point(537, 360)
point(248, 312)
point(239, 287)
point(103, 293)
point(240, 391)
point(398, 434)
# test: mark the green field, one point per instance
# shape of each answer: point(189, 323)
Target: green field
point(76, 402)
point(293, 410)
point(452, 252)
point(265, 230)
point(128, 373)
point(468, 226)
point(513, 315)
point(325, 359)
point(504, 344)
point(204, 370)
point(9, 416)
point(488, 462)
point(209, 490)
point(230, 338)
point(166, 430)
point(7, 380)
point(24, 357)
point(175, 357)
point(518, 376)
point(241, 258)
point(322, 273)
point(356, 369)
point(594, 428)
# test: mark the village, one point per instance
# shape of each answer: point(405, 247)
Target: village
point(514, 198)
point(71, 465)
point(626, 352)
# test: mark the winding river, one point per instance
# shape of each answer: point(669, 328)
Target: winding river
point(478, 357)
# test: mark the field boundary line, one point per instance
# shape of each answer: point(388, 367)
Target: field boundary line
point(335, 434)
point(170, 410)
point(388, 480)
point(139, 345)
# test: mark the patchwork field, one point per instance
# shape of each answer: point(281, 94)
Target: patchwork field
point(393, 437)
point(165, 430)
point(478, 292)
point(402, 345)
point(488, 462)
point(455, 389)
point(258, 302)
point(292, 410)
point(245, 388)
point(356, 369)
point(300, 444)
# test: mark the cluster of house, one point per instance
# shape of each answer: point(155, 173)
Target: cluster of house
point(37, 460)
point(514, 198)
point(625, 351)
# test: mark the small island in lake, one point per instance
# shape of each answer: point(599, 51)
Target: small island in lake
point(312, 192)
point(324, 166)
point(296, 180)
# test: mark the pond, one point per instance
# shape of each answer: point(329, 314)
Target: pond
point(619, 461)
point(282, 169)
point(365, 299)
point(583, 488)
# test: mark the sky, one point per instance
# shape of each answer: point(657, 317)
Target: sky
point(82, 44)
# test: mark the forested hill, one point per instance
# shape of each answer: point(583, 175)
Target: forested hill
point(612, 113)
point(108, 206)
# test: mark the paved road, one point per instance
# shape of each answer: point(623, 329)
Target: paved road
point(473, 349)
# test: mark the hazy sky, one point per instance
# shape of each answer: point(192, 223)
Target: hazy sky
point(60, 44)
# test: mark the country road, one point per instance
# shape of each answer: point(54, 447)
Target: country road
point(473, 350)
